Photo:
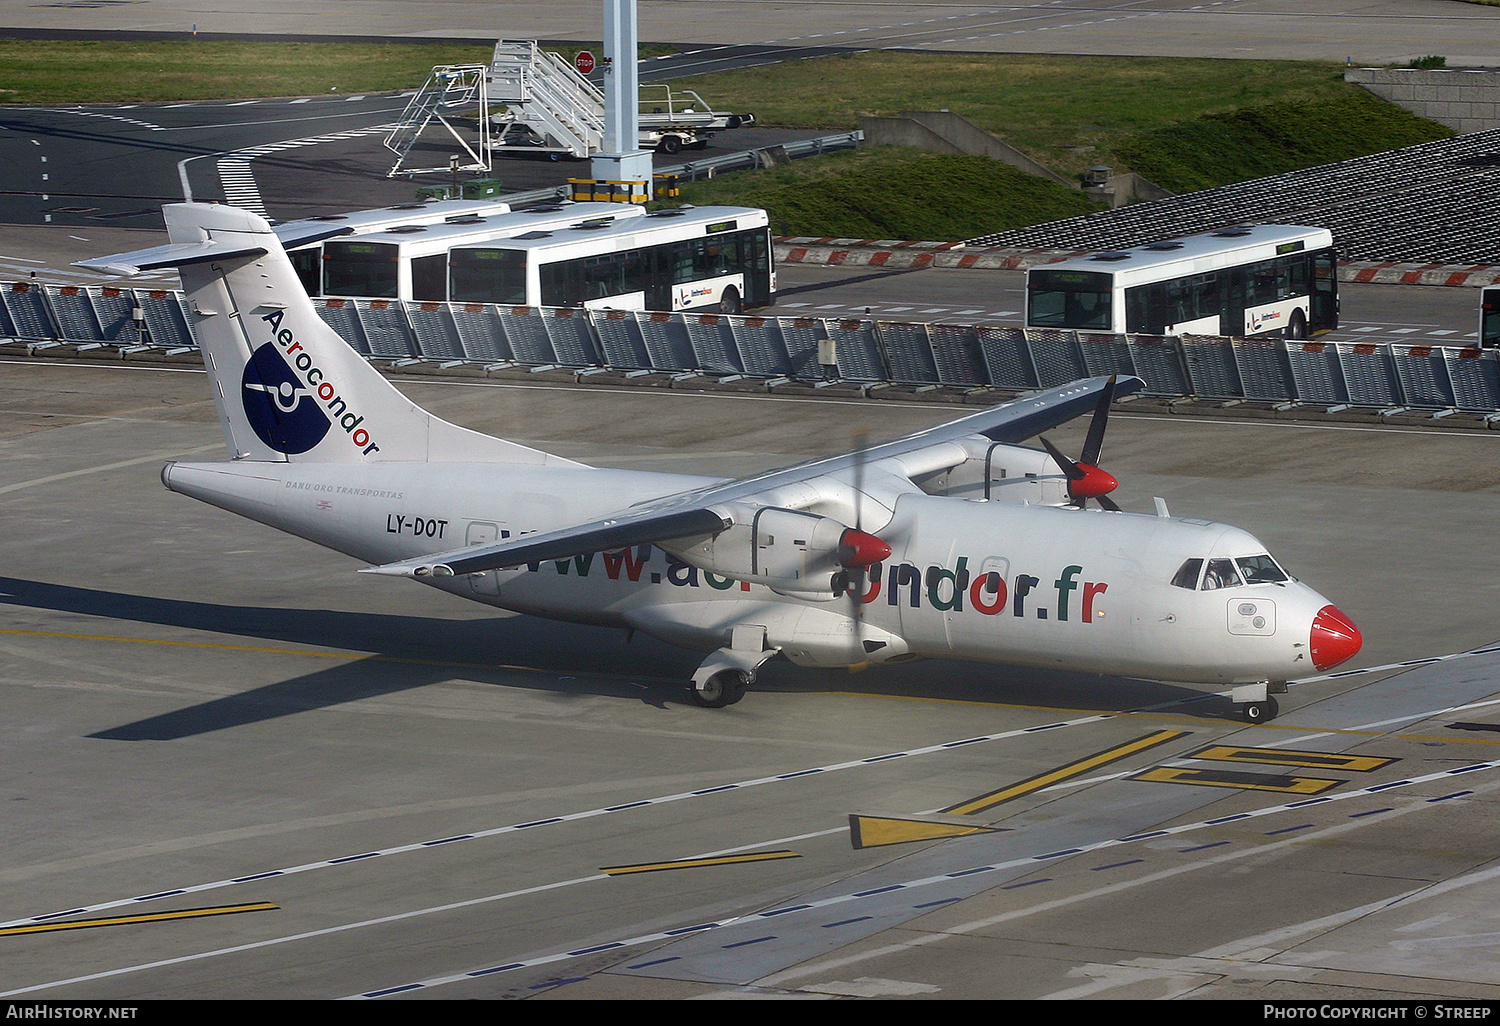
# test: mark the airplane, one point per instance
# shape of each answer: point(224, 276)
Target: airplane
point(951, 542)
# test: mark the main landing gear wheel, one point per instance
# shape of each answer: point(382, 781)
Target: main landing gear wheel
point(1259, 712)
point(724, 688)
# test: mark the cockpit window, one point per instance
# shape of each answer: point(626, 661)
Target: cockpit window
point(1187, 575)
point(1220, 574)
point(1261, 569)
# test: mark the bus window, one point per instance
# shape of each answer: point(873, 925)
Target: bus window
point(488, 276)
point(360, 269)
point(429, 278)
point(1069, 299)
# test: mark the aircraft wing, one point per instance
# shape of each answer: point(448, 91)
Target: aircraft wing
point(691, 513)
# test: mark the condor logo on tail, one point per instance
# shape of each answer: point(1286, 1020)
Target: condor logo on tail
point(280, 407)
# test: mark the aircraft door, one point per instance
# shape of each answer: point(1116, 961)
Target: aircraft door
point(484, 532)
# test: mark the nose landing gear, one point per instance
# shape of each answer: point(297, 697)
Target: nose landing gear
point(1253, 702)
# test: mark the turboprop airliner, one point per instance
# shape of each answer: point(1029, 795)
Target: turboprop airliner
point(951, 542)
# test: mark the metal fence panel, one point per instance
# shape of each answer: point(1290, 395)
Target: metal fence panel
point(479, 332)
point(435, 333)
point(529, 342)
point(908, 352)
point(1368, 374)
point(1210, 366)
point(1007, 358)
point(1423, 375)
point(115, 308)
point(620, 340)
point(1056, 356)
point(1158, 362)
point(762, 351)
point(27, 307)
point(1104, 353)
point(1476, 381)
point(74, 314)
point(572, 337)
point(166, 318)
point(857, 350)
point(340, 315)
point(666, 341)
point(1265, 372)
point(800, 337)
point(1317, 373)
point(387, 328)
point(713, 345)
point(956, 355)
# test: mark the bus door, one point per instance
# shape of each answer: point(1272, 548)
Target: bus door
point(1324, 311)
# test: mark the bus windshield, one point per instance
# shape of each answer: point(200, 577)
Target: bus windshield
point(1069, 299)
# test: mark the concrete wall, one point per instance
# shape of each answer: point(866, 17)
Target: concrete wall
point(1466, 100)
point(945, 132)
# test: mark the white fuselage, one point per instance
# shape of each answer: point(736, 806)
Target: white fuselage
point(993, 581)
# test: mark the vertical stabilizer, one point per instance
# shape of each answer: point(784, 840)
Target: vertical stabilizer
point(288, 388)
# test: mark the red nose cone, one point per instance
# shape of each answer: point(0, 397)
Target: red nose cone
point(856, 548)
point(1334, 638)
point(1093, 483)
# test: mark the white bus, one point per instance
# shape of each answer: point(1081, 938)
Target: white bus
point(409, 261)
point(690, 258)
point(1489, 317)
point(304, 238)
point(1241, 280)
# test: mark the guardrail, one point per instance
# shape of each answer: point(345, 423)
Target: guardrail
point(709, 166)
point(1332, 375)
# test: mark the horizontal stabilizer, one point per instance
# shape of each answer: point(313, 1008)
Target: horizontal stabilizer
point(300, 233)
point(173, 255)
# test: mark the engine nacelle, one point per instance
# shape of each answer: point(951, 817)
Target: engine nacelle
point(790, 550)
point(1000, 472)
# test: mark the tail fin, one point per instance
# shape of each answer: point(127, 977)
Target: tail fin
point(287, 387)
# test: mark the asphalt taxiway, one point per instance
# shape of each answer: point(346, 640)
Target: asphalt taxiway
point(253, 773)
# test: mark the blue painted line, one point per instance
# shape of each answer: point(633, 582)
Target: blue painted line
point(1382, 787)
point(657, 961)
point(538, 822)
point(1117, 865)
point(1056, 854)
point(879, 890)
point(1229, 819)
point(54, 915)
point(628, 805)
point(715, 790)
point(1372, 812)
point(257, 876)
point(1027, 883)
point(971, 872)
point(496, 969)
point(690, 929)
point(1202, 847)
point(935, 904)
point(883, 758)
point(783, 911)
point(1142, 837)
point(161, 894)
point(970, 741)
point(353, 858)
point(847, 922)
point(1288, 830)
point(448, 840)
point(597, 947)
point(754, 940)
point(1455, 794)
point(1309, 801)
point(394, 990)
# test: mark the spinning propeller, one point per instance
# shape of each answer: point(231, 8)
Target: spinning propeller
point(858, 549)
point(1085, 480)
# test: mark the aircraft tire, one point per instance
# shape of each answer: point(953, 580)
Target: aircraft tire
point(1259, 712)
point(724, 688)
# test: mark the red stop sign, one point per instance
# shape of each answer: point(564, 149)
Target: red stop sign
point(584, 62)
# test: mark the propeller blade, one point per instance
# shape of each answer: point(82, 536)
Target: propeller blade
point(1071, 470)
point(1094, 443)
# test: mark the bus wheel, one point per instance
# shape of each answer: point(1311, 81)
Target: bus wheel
point(1297, 328)
point(729, 302)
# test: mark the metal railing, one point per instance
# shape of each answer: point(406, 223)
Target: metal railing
point(1330, 375)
